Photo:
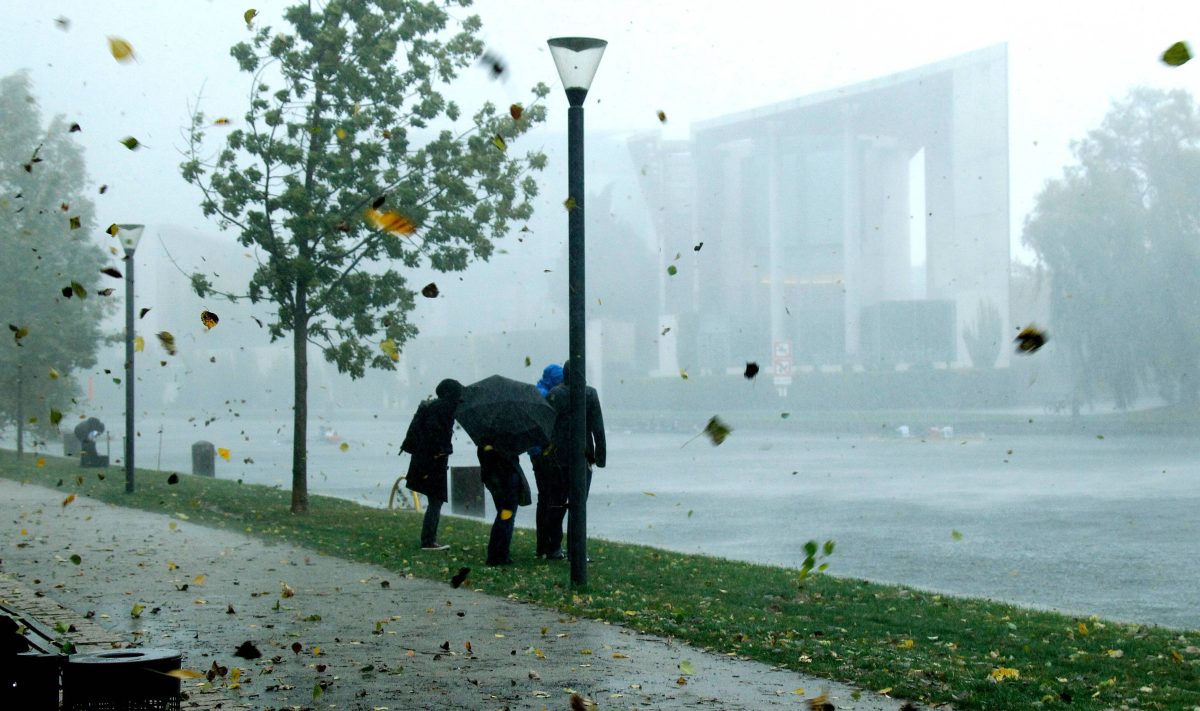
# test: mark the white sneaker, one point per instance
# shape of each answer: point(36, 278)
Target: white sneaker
point(436, 547)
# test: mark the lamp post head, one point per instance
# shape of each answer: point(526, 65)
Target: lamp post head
point(129, 236)
point(576, 59)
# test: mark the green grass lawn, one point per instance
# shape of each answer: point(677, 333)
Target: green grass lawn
point(976, 654)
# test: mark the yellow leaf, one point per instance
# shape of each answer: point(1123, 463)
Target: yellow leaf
point(199, 579)
point(388, 346)
point(209, 319)
point(683, 374)
point(172, 525)
point(618, 655)
point(498, 142)
point(316, 651)
point(392, 222)
point(222, 122)
point(1001, 673)
point(906, 644)
point(340, 133)
point(344, 446)
point(1176, 657)
point(67, 501)
point(139, 344)
point(121, 50)
point(570, 204)
point(136, 610)
point(54, 374)
point(171, 565)
point(249, 15)
point(1083, 630)
point(649, 493)
point(24, 531)
point(223, 453)
point(184, 674)
point(41, 462)
point(885, 690)
point(505, 514)
point(798, 691)
point(687, 667)
point(167, 341)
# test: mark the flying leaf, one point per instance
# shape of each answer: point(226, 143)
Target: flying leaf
point(662, 116)
point(392, 222)
point(317, 691)
point(112, 272)
point(683, 374)
point(223, 453)
point(698, 247)
point(515, 111)
point(505, 514)
point(672, 270)
point(103, 188)
point(289, 591)
point(142, 313)
point(173, 479)
point(131, 143)
point(459, 577)
point(167, 341)
point(41, 462)
point(139, 344)
point(19, 332)
point(1177, 54)
point(388, 346)
point(716, 430)
point(498, 142)
point(78, 290)
point(528, 361)
point(106, 292)
point(751, 371)
point(570, 204)
point(121, 50)
point(1030, 339)
point(136, 610)
point(63, 23)
point(75, 223)
point(209, 319)
point(378, 203)
point(67, 501)
point(430, 291)
point(1083, 629)
point(344, 446)
point(184, 674)
point(222, 122)
point(340, 133)
point(55, 416)
point(249, 15)
point(247, 650)
point(956, 535)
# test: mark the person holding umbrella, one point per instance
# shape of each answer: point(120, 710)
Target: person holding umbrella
point(428, 441)
point(502, 475)
point(595, 451)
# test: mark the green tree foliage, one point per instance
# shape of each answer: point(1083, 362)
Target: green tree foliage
point(1120, 236)
point(47, 336)
point(346, 121)
point(983, 336)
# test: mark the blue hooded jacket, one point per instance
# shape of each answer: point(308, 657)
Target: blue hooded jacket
point(551, 375)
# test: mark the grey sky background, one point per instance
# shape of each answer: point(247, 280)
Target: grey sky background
point(1068, 60)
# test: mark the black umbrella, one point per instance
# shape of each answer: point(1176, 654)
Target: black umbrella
point(507, 414)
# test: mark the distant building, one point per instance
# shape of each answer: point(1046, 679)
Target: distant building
point(864, 226)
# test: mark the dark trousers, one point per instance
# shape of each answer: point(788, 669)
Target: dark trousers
point(554, 526)
point(506, 496)
point(551, 504)
point(429, 525)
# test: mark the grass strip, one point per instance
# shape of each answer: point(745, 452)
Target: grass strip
point(913, 644)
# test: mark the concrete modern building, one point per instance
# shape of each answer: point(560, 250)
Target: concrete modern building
point(864, 226)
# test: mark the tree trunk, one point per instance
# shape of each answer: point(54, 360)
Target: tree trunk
point(300, 402)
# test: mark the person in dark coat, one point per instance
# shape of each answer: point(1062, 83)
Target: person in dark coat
point(502, 475)
point(87, 432)
point(428, 441)
point(551, 485)
point(594, 451)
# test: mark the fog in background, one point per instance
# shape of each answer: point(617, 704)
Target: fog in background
point(692, 61)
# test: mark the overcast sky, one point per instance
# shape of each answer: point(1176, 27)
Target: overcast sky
point(692, 60)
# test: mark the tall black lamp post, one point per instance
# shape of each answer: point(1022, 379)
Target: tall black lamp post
point(577, 59)
point(129, 236)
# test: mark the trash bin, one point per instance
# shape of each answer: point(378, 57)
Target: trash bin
point(466, 491)
point(122, 680)
point(29, 680)
point(203, 459)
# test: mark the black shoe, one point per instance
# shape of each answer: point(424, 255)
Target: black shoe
point(503, 562)
point(556, 555)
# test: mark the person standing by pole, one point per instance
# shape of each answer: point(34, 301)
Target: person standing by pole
point(594, 448)
point(428, 441)
point(550, 480)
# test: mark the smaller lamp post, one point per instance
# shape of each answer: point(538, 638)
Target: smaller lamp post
point(129, 236)
point(577, 59)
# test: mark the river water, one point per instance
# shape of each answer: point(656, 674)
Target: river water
point(1088, 524)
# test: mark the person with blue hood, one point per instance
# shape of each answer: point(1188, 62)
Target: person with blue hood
point(551, 484)
point(595, 451)
point(428, 441)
